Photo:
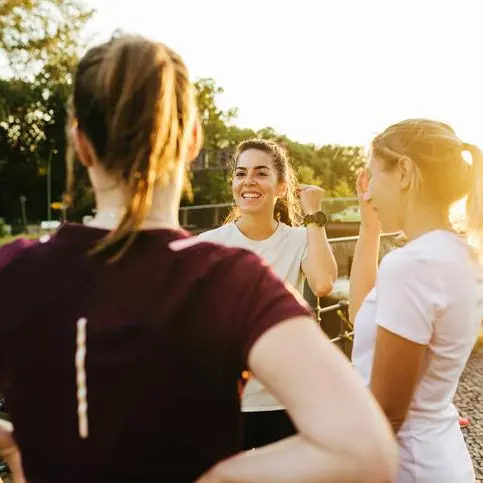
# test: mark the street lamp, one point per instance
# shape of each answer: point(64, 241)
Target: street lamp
point(23, 201)
point(49, 188)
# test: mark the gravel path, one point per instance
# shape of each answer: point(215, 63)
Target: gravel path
point(469, 400)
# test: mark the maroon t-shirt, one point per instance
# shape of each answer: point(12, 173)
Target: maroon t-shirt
point(169, 330)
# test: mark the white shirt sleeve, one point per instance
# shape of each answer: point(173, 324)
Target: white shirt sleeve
point(203, 236)
point(210, 235)
point(408, 297)
point(217, 235)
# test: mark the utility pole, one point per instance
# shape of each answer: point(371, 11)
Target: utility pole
point(49, 187)
point(23, 200)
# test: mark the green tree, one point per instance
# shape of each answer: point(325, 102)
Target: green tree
point(306, 175)
point(41, 40)
point(330, 166)
point(214, 120)
point(38, 32)
point(212, 185)
point(340, 163)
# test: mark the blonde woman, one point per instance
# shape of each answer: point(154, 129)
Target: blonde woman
point(416, 317)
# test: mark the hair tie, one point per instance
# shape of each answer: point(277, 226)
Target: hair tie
point(469, 148)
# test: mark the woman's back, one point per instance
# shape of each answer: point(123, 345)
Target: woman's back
point(166, 326)
point(124, 365)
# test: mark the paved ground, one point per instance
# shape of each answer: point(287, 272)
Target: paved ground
point(470, 402)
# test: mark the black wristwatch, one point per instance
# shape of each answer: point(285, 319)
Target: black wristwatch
point(319, 218)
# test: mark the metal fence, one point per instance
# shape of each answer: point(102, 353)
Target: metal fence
point(205, 217)
point(345, 334)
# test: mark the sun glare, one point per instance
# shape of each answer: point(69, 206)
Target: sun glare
point(457, 215)
point(467, 157)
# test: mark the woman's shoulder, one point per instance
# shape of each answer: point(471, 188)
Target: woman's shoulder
point(216, 234)
point(14, 250)
point(296, 233)
point(210, 253)
point(434, 250)
point(296, 229)
point(403, 261)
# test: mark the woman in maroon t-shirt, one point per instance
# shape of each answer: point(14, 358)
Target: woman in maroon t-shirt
point(133, 305)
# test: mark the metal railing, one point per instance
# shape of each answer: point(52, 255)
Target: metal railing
point(205, 217)
point(346, 329)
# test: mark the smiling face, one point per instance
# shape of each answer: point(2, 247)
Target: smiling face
point(255, 182)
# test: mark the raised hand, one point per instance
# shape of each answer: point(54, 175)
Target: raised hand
point(369, 218)
point(310, 198)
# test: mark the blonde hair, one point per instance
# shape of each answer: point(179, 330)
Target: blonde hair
point(441, 173)
point(287, 209)
point(134, 101)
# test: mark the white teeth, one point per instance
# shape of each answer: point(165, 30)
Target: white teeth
point(251, 195)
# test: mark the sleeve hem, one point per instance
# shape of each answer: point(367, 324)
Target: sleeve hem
point(268, 323)
point(398, 330)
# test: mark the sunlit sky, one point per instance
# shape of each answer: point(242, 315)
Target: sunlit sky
point(323, 71)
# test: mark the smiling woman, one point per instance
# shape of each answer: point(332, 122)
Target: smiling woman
point(269, 205)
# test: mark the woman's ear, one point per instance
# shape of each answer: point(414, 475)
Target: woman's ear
point(82, 146)
point(196, 141)
point(406, 171)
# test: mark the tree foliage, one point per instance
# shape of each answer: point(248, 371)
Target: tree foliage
point(34, 33)
point(214, 120)
point(41, 40)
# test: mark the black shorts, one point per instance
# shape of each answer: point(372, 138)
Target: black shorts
point(265, 427)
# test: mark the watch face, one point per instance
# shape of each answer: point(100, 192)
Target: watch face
point(321, 218)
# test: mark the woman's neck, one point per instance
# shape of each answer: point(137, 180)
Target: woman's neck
point(111, 206)
point(421, 222)
point(257, 227)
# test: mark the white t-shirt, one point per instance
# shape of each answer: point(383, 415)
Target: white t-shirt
point(284, 252)
point(426, 292)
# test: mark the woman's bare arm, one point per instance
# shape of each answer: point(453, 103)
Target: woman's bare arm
point(343, 434)
point(366, 254)
point(319, 265)
point(396, 372)
point(10, 453)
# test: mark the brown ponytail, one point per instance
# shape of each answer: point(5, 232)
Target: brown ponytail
point(281, 211)
point(133, 100)
point(287, 209)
